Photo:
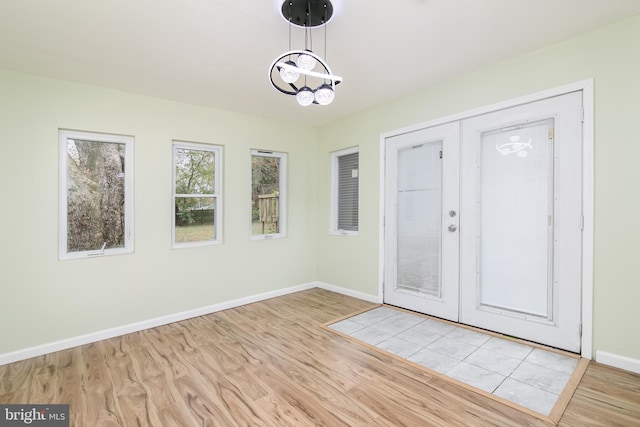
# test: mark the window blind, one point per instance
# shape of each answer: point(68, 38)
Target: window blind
point(348, 192)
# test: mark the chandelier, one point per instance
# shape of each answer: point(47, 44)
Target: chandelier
point(296, 72)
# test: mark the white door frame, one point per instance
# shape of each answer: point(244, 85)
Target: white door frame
point(586, 86)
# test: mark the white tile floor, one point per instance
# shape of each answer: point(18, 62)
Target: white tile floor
point(528, 376)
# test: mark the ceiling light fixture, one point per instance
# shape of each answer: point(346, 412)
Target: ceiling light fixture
point(287, 68)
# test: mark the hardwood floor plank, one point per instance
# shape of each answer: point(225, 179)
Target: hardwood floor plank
point(132, 396)
point(67, 390)
point(102, 404)
point(272, 364)
point(281, 414)
point(302, 400)
point(606, 396)
point(16, 379)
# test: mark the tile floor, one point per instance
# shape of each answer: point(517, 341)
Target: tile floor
point(526, 375)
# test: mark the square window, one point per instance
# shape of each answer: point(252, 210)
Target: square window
point(96, 194)
point(196, 194)
point(268, 194)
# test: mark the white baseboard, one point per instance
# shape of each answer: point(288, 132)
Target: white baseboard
point(39, 350)
point(349, 292)
point(617, 361)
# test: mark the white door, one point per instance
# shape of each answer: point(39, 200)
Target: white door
point(421, 216)
point(522, 221)
point(490, 234)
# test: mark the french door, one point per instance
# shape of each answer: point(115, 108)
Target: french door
point(483, 221)
point(421, 217)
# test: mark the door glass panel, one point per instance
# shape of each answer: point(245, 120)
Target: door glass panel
point(419, 218)
point(516, 217)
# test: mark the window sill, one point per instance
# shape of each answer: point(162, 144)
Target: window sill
point(268, 236)
point(195, 244)
point(343, 233)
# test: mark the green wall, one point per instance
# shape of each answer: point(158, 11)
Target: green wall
point(611, 57)
point(44, 300)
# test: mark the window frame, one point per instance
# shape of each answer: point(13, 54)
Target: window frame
point(282, 200)
point(335, 205)
point(63, 136)
point(217, 194)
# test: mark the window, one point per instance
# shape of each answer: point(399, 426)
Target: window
point(196, 194)
point(268, 194)
point(96, 194)
point(344, 191)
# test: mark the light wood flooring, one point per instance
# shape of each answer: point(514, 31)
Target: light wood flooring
point(272, 364)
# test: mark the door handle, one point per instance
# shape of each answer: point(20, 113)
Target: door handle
point(452, 228)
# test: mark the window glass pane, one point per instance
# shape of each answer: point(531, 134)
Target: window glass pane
point(195, 171)
point(517, 217)
point(348, 192)
point(95, 195)
point(195, 219)
point(196, 194)
point(265, 194)
point(419, 217)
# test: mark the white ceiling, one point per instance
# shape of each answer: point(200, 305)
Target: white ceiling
point(217, 53)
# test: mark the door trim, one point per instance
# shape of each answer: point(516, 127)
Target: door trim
point(586, 86)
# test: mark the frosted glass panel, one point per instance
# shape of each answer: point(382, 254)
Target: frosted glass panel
point(516, 210)
point(419, 218)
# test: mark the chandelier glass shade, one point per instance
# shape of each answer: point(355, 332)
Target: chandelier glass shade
point(324, 94)
point(305, 96)
point(289, 74)
point(306, 62)
point(302, 73)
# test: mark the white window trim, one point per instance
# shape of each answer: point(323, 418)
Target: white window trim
point(63, 136)
point(282, 201)
point(333, 224)
point(217, 150)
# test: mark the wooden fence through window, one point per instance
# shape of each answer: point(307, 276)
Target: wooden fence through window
point(269, 206)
